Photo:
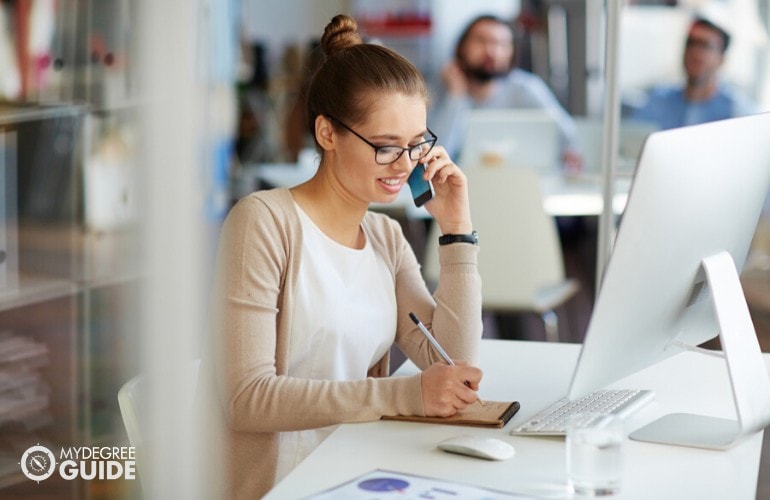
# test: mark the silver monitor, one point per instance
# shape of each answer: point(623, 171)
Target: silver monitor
point(672, 279)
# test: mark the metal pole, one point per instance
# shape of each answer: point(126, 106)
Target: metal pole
point(613, 9)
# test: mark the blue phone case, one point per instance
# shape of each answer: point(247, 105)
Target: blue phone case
point(422, 190)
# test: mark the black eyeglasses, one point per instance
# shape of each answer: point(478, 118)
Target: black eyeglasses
point(385, 155)
point(699, 43)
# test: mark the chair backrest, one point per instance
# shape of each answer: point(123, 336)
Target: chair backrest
point(520, 249)
point(129, 401)
point(131, 398)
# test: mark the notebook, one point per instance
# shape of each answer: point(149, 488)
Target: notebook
point(491, 414)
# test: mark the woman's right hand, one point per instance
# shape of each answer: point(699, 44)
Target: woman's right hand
point(444, 389)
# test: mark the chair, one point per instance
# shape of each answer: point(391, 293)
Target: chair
point(520, 262)
point(131, 399)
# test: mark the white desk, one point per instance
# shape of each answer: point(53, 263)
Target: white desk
point(562, 195)
point(581, 195)
point(535, 374)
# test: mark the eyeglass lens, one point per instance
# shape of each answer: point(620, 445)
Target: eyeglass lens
point(699, 43)
point(391, 154)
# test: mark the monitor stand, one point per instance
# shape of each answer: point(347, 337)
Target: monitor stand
point(748, 373)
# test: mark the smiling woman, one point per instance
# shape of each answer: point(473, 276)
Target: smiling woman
point(313, 289)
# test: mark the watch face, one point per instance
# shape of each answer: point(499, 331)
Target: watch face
point(38, 463)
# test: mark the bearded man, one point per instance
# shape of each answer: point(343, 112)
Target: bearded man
point(483, 75)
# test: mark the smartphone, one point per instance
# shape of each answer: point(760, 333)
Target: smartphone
point(422, 190)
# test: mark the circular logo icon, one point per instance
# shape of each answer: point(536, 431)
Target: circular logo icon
point(38, 463)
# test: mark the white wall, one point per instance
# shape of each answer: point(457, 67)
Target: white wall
point(287, 22)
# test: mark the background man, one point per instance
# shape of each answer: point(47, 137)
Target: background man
point(482, 76)
point(703, 98)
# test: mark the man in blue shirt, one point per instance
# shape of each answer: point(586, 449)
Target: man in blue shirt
point(703, 98)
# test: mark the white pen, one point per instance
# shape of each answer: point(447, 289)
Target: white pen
point(436, 345)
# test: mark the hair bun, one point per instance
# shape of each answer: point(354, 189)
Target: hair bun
point(340, 34)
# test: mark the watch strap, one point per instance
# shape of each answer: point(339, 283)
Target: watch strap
point(448, 239)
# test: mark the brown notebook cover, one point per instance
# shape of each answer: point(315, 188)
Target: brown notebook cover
point(491, 414)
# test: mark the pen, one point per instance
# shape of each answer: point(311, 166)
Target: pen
point(436, 345)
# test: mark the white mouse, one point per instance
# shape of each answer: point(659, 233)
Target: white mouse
point(477, 446)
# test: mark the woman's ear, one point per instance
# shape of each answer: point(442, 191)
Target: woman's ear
point(324, 133)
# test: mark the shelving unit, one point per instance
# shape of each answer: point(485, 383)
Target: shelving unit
point(68, 280)
point(38, 299)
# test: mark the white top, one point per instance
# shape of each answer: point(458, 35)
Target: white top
point(344, 322)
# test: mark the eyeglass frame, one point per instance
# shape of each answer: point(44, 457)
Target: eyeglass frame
point(699, 43)
point(377, 149)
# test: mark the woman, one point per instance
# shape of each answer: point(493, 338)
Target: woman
point(313, 289)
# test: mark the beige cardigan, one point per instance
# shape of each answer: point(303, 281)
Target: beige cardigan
point(244, 367)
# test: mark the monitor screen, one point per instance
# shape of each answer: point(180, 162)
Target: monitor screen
point(698, 191)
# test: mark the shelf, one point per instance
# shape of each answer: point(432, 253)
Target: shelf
point(107, 258)
point(11, 113)
point(86, 258)
point(61, 261)
point(35, 289)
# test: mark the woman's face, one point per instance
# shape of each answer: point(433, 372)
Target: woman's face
point(394, 120)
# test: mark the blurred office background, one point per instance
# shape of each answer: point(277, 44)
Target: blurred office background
point(128, 128)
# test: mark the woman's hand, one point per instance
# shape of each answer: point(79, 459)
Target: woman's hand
point(444, 389)
point(450, 205)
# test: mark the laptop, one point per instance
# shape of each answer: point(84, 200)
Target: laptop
point(512, 137)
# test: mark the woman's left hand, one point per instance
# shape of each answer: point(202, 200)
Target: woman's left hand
point(449, 205)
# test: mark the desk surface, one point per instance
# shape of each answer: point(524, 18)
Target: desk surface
point(562, 195)
point(536, 374)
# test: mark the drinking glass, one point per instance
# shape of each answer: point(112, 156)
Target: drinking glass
point(595, 454)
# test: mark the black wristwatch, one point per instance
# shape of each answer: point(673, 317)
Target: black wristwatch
point(448, 239)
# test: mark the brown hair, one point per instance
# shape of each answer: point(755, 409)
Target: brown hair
point(724, 35)
point(345, 84)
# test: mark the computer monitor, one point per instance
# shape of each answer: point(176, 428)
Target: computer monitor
point(671, 282)
point(512, 137)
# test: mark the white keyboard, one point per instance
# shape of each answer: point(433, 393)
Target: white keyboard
point(553, 420)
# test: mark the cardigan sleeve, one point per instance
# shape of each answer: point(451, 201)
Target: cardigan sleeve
point(255, 276)
point(453, 313)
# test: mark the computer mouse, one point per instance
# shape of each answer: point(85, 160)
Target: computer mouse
point(478, 446)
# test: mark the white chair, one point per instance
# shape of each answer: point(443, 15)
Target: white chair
point(131, 398)
point(129, 401)
point(520, 262)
